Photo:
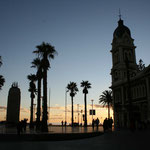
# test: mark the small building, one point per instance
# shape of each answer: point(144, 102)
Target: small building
point(130, 85)
point(13, 104)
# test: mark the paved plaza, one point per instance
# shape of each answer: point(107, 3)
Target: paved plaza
point(116, 140)
point(52, 130)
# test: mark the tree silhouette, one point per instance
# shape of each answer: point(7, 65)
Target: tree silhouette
point(86, 85)
point(72, 87)
point(106, 100)
point(141, 65)
point(32, 90)
point(36, 63)
point(46, 52)
point(2, 80)
point(0, 61)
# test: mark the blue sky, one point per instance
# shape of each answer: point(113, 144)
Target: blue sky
point(80, 30)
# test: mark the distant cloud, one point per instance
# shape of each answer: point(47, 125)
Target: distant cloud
point(26, 110)
point(56, 115)
point(97, 106)
point(3, 107)
point(56, 118)
point(56, 107)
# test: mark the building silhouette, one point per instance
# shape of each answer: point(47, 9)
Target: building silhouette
point(13, 104)
point(130, 85)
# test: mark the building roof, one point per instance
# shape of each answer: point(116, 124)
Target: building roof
point(121, 29)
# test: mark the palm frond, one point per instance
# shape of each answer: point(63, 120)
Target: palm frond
point(2, 81)
point(36, 63)
point(86, 84)
point(46, 52)
point(72, 87)
point(32, 77)
point(106, 98)
point(0, 61)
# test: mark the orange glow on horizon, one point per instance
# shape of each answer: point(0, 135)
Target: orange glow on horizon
point(57, 114)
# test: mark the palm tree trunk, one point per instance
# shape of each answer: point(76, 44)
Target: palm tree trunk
point(44, 119)
point(72, 110)
point(108, 111)
point(38, 103)
point(31, 111)
point(85, 122)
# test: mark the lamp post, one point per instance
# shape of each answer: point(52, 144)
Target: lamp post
point(66, 104)
point(92, 109)
point(49, 105)
point(81, 116)
point(78, 112)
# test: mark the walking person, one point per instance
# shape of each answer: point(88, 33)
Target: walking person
point(62, 123)
point(110, 122)
point(97, 123)
point(93, 123)
point(105, 124)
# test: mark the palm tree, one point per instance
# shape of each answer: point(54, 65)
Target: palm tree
point(37, 64)
point(86, 85)
point(2, 80)
point(72, 87)
point(32, 89)
point(46, 52)
point(106, 100)
point(0, 61)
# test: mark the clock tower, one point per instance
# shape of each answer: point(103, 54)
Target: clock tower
point(122, 48)
point(123, 52)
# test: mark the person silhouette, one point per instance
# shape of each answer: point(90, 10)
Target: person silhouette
point(110, 122)
point(62, 123)
point(65, 123)
point(97, 123)
point(105, 124)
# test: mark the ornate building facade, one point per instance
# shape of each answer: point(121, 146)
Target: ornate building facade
point(130, 86)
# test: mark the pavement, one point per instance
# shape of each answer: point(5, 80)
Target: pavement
point(52, 130)
point(55, 133)
point(116, 140)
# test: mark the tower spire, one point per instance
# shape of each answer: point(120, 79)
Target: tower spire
point(119, 14)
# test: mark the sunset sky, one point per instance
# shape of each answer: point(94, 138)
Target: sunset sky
point(81, 31)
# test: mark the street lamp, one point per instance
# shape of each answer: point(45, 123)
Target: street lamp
point(81, 115)
point(49, 105)
point(78, 112)
point(92, 109)
point(66, 104)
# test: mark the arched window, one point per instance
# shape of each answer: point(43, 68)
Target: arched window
point(140, 91)
point(130, 56)
point(125, 55)
point(133, 92)
point(143, 89)
point(142, 94)
point(137, 92)
point(124, 74)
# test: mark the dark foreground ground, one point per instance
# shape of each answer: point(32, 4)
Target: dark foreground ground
point(46, 137)
point(56, 133)
point(117, 140)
